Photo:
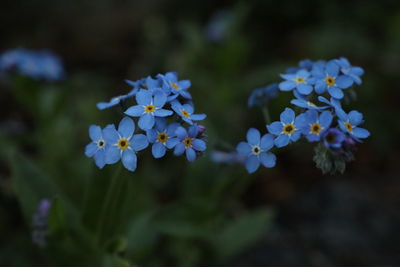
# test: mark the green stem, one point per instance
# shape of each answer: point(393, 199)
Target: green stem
point(265, 112)
point(111, 196)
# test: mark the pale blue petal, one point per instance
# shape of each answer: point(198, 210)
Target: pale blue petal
point(335, 92)
point(190, 154)
point(188, 108)
point(152, 135)
point(135, 111)
point(282, 140)
point(199, 145)
point(113, 154)
point(243, 149)
point(332, 68)
point(267, 142)
point(146, 122)
point(344, 81)
point(360, 133)
point(185, 94)
point(159, 99)
point(172, 142)
point(287, 116)
point(139, 142)
point(184, 84)
point(252, 164)
point(161, 124)
point(95, 132)
point(181, 133)
point(320, 87)
point(253, 136)
point(110, 135)
point(126, 127)
point(90, 149)
point(295, 136)
point(193, 131)
point(198, 117)
point(179, 149)
point(129, 160)
point(158, 150)
point(162, 113)
point(100, 158)
point(325, 119)
point(287, 85)
point(144, 97)
point(355, 117)
point(304, 89)
point(268, 159)
point(275, 128)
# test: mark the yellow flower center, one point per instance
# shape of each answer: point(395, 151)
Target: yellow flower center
point(188, 142)
point(299, 80)
point(162, 137)
point(256, 150)
point(349, 127)
point(289, 128)
point(311, 104)
point(123, 143)
point(330, 80)
point(315, 128)
point(149, 108)
point(176, 86)
point(185, 113)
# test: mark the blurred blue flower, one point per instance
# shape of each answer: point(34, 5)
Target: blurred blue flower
point(226, 157)
point(40, 222)
point(313, 125)
point(186, 112)
point(261, 96)
point(333, 138)
point(300, 81)
point(349, 123)
point(286, 130)
point(328, 78)
point(97, 148)
point(162, 137)
point(217, 28)
point(174, 86)
point(123, 144)
point(148, 107)
point(349, 70)
point(256, 150)
point(189, 143)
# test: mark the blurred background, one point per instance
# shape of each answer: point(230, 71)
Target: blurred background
point(170, 212)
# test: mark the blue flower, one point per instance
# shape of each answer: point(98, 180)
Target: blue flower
point(301, 81)
point(313, 126)
point(333, 103)
point(349, 70)
point(256, 150)
point(189, 143)
point(40, 222)
point(226, 157)
point(349, 123)
point(328, 78)
point(148, 107)
point(302, 102)
point(162, 137)
point(97, 148)
point(174, 86)
point(286, 130)
point(261, 96)
point(122, 144)
point(186, 112)
point(333, 138)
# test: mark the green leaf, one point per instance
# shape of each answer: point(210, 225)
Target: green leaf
point(242, 232)
point(56, 219)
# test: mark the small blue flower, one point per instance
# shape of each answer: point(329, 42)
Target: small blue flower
point(189, 143)
point(40, 223)
point(186, 112)
point(148, 107)
point(328, 78)
point(174, 86)
point(97, 148)
point(313, 126)
point(122, 144)
point(300, 81)
point(261, 96)
point(302, 102)
point(349, 123)
point(256, 150)
point(347, 69)
point(333, 138)
point(333, 103)
point(287, 130)
point(162, 137)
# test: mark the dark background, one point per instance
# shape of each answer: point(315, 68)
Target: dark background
point(320, 220)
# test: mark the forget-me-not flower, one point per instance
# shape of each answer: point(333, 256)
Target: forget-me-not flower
point(286, 130)
point(261, 96)
point(189, 143)
point(162, 136)
point(300, 81)
point(174, 86)
point(349, 123)
point(313, 125)
point(333, 138)
point(186, 112)
point(97, 148)
point(349, 70)
point(256, 150)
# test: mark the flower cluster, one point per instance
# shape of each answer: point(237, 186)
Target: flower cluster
point(40, 65)
point(327, 123)
point(40, 223)
point(162, 106)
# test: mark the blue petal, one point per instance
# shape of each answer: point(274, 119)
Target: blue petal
point(152, 135)
point(357, 71)
point(95, 132)
point(312, 116)
point(159, 99)
point(355, 117)
point(179, 149)
point(253, 136)
point(304, 89)
point(360, 133)
point(282, 140)
point(144, 97)
point(295, 136)
point(287, 85)
point(110, 135)
point(324, 100)
point(188, 108)
point(146, 122)
point(303, 73)
point(184, 84)
point(113, 154)
point(335, 92)
point(158, 150)
point(90, 150)
point(275, 128)
point(252, 164)
point(199, 145)
point(267, 142)
point(185, 94)
point(139, 142)
point(325, 119)
point(181, 133)
point(162, 113)
point(100, 158)
point(268, 159)
point(342, 126)
point(126, 127)
point(172, 128)
point(332, 68)
point(190, 154)
point(135, 111)
point(198, 117)
point(172, 76)
point(172, 142)
point(129, 160)
point(193, 131)
point(320, 87)
point(243, 149)
point(287, 116)
point(160, 124)
point(289, 77)
point(344, 81)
